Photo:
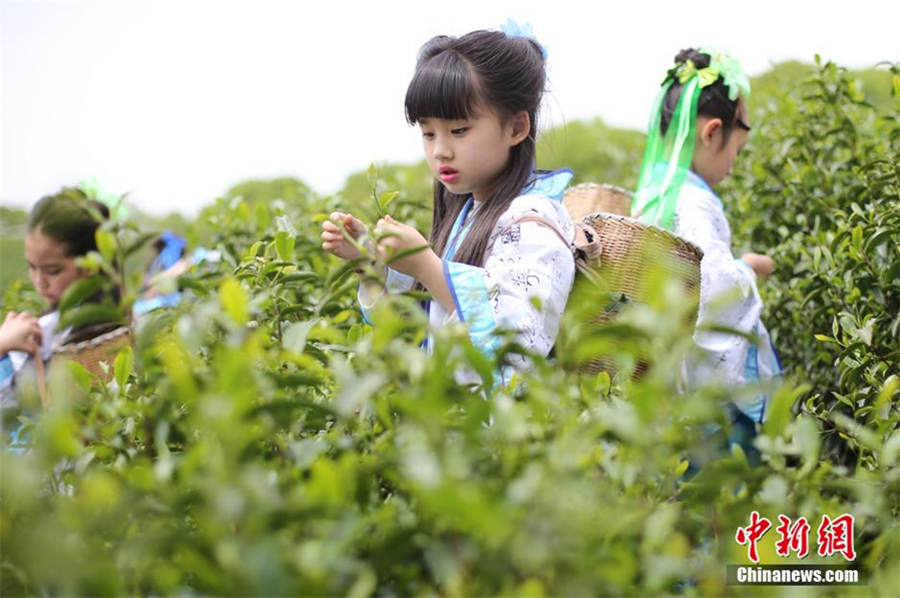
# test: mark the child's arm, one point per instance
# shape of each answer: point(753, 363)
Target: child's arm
point(762, 265)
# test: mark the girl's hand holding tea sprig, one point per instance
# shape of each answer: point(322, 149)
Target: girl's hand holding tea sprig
point(398, 245)
point(334, 239)
point(395, 244)
point(404, 249)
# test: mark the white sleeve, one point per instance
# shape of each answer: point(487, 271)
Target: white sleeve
point(728, 295)
point(395, 282)
point(525, 282)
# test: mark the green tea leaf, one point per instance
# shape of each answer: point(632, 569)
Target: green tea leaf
point(294, 338)
point(865, 436)
point(385, 199)
point(234, 300)
point(808, 438)
point(83, 378)
point(80, 290)
point(106, 244)
point(284, 245)
point(139, 243)
point(263, 215)
point(406, 253)
point(780, 409)
point(89, 313)
point(123, 366)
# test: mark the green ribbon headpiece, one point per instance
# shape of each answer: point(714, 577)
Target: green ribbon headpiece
point(116, 203)
point(667, 158)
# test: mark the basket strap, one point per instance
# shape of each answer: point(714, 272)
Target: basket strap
point(586, 249)
point(538, 220)
point(40, 375)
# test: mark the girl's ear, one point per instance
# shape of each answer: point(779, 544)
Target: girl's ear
point(707, 129)
point(520, 127)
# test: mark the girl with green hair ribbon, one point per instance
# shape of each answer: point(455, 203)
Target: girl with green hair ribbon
point(697, 127)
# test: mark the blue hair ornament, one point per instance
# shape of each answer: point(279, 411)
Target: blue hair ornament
point(171, 251)
point(513, 29)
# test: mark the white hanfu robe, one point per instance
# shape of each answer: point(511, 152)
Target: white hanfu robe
point(728, 298)
point(524, 261)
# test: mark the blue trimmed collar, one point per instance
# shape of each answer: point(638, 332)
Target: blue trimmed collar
point(553, 184)
point(696, 181)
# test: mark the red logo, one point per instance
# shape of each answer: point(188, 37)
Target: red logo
point(836, 536)
point(833, 536)
point(753, 532)
point(792, 537)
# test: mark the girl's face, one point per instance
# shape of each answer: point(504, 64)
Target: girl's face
point(50, 268)
point(712, 160)
point(467, 155)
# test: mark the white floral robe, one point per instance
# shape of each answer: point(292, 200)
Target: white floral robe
point(525, 261)
point(728, 298)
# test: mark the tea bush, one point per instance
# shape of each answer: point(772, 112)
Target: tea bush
point(822, 196)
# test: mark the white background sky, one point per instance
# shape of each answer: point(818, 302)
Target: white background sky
point(177, 101)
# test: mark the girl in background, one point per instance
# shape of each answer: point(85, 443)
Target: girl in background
point(698, 126)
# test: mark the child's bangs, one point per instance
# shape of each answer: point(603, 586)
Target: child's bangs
point(441, 88)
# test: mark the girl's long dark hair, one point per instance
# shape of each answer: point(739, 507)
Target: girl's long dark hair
point(496, 72)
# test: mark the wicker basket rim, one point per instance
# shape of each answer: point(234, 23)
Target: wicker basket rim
point(605, 186)
point(638, 224)
point(62, 348)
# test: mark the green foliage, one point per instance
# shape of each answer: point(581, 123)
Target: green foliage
point(234, 458)
point(21, 295)
point(260, 439)
point(286, 189)
point(820, 194)
point(413, 185)
point(596, 152)
point(12, 236)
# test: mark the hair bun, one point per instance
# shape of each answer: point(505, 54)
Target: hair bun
point(700, 59)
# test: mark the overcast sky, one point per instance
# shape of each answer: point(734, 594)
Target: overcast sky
point(177, 101)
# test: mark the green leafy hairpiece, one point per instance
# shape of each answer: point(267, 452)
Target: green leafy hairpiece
point(116, 203)
point(667, 157)
point(721, 64)
point(731, 71)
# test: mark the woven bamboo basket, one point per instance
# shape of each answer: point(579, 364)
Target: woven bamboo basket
point(629, 252)
point(590, 198)
point(90, 353)
point(630, 249)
